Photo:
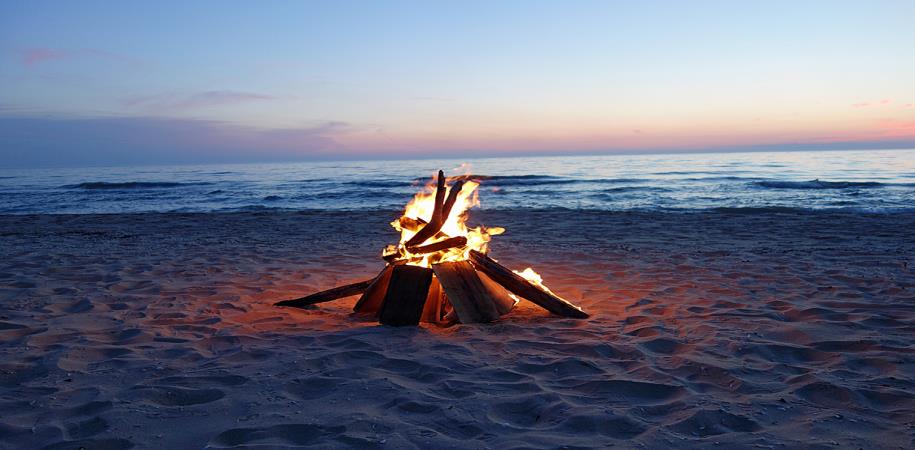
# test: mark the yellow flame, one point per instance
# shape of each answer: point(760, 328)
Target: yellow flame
point(534, 277)
point(422, 206)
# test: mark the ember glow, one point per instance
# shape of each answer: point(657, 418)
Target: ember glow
point(419, 212)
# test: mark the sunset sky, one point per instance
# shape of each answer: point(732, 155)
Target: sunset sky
point(89, 83)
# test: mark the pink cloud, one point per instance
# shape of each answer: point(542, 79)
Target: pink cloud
point(881, 102)
point(175, 102)
point(34, 56)
point(897, 125)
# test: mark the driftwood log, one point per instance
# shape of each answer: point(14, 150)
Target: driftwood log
point(328, 295)
point(517, 285)
point(406, 295)
point(373, 297)
point(467, 294)
point(502, 298)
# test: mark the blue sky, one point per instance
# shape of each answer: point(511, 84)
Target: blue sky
point(88, 83)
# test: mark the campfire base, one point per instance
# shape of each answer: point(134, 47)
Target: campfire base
point(475, 291)
point(470, 289)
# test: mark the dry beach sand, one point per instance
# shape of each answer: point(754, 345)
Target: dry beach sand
point(756, 329)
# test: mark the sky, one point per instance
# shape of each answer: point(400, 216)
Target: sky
point(129, 82)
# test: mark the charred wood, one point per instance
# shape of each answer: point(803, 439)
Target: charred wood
point(446, 244)
point(406, 295)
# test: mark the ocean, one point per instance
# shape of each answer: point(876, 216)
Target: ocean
point(867, 181)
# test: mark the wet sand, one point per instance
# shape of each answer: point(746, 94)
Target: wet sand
point(757, 329)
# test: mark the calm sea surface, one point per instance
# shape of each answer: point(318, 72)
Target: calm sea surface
point(872, 181)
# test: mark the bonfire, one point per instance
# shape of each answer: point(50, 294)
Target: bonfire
point(440, 272)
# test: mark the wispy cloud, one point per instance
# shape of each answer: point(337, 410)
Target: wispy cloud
point(206, 99)
point(886, 102)
point(34, 56)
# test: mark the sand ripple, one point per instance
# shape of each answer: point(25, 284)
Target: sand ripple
point(709, 329)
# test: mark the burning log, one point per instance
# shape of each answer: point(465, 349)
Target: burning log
point(409, 223)
point(406, 295)
point(328, 295)
point(393, 257)
point(458, 241)
point(373, 297)
point(465, 291)
point(525, 289)
point(452, 197)
point(440, 212)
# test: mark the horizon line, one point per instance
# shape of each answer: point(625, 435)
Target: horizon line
point(777, 148)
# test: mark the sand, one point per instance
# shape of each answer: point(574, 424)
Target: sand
point(755, 329)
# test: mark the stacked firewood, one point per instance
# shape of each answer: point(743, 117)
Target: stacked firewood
point(471, 290)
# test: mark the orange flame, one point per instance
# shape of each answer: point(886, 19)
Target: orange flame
point(534, 277)
point(422, 206)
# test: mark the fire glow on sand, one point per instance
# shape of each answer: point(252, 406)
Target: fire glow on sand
point(440, 272)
